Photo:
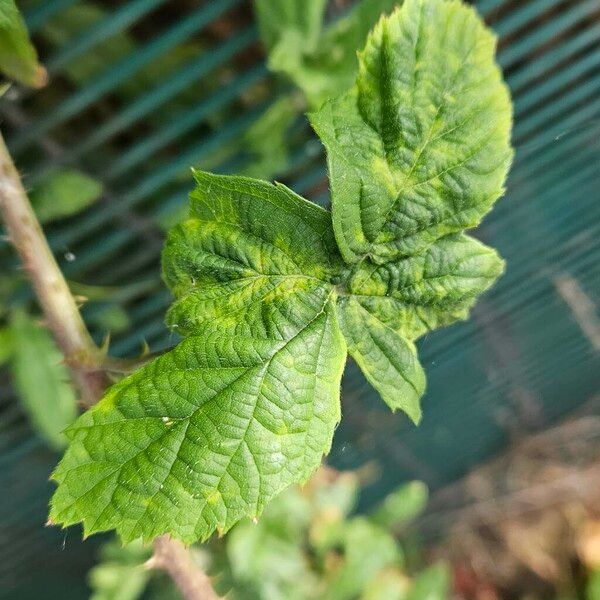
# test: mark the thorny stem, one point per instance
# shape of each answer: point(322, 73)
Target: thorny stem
point(61, 311)
point(82, 355)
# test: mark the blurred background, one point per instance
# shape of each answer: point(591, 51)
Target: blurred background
point(509, 445)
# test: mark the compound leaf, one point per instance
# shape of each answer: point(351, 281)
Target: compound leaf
point(18, 58)
point(211, 431)
point(388, 361)
point(419, 148)
point(247, 404)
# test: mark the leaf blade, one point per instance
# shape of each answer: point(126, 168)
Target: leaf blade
point(419, 293)
point(41, 379)
point(165, 453)
point(388, 361)
point(428, 125)
point(18, 58)
point(246, 404)
point(64, 193)
point(276, 17)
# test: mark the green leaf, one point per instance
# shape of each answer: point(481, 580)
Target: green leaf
point(6, 344)
point(330, 67)
point(419, 148)
point(394, 303)
point(402, 505)
point(247, 404)
point(389, 584)
point(388, 361)
point(41, 379)
point(266, 141)
point(592, 588)
point(70, 23)
point(268, 557)
point(419, 293)
point(120, 574)
point(249, 264)
point(111, 318)
point(431, 584)
point(367, 550)
point(18, 58)
point(64, 193)
point(276, 17)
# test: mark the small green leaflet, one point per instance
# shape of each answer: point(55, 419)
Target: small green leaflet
point(41, 379)
point(64, 193)
point(368, 550)
point(416, 294)
point(18, 58)
point(419, 147)
point(270, 294)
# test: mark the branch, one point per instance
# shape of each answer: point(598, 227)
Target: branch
point(173, 557)
point(82, 355)
point(61, 311)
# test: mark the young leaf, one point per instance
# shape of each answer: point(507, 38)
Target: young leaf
point(431, 584)
point(41, 379)
point(18, 58)
point(367, 551)
point(277, 17)
point(329, 68)
point(419, 148)
point(388, 361)
point(120, 574)
point(64, 193)
point(402, 505)
point(246, 405)
point(266, 141)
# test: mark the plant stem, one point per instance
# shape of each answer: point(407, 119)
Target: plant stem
point(82, 355)
point(173, 557)
point(61, 311)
